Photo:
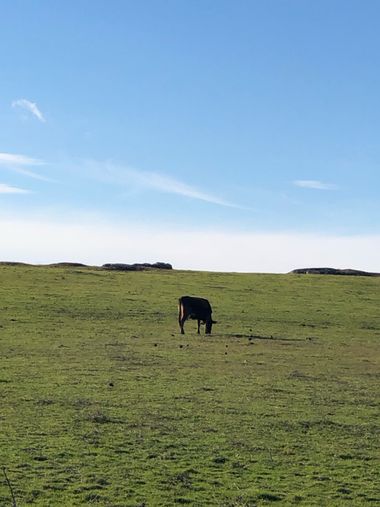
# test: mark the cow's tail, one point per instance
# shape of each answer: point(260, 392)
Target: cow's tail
point(181, 313)
point(180, 309)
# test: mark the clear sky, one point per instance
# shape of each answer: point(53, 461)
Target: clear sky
point(221, 135)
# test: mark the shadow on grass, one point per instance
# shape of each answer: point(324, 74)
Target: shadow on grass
point(259, 337)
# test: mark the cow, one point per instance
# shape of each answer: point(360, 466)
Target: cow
point(195, 308)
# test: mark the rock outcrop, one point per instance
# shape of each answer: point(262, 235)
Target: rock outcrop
point(137, 266)
point(332, 271)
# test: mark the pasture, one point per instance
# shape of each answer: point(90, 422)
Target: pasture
point(103, 402)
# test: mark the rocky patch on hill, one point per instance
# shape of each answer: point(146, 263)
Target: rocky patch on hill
point(137, 266)
point(332, 271)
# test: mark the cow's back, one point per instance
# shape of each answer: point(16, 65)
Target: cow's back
point(195, 307)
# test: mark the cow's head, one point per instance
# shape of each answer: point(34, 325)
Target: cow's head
point(209, 323)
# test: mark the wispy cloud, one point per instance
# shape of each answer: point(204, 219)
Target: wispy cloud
point(31, 107)
point(18, 163)
point(8, 189)
point(30, 174)
point(12, 158)
point(314, 184)
point(163, 183)
point(170, 185)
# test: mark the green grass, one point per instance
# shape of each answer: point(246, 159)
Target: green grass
point(103, 402)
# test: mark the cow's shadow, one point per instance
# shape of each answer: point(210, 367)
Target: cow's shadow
point(252, 337)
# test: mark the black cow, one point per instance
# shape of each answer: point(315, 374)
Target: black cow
point(195, 308)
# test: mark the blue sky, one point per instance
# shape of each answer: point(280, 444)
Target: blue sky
point(231, 135)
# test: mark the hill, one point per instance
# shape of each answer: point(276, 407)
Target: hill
point(104, 402)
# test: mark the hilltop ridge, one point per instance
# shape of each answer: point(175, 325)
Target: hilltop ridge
point(109, 266)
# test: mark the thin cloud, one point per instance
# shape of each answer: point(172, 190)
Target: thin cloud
point(31, 107)
point(314, 184)
point(11, 158)
point(17, 163)
point(172, 186)
point(31, 174)
point(163, 183)
point(8, 189)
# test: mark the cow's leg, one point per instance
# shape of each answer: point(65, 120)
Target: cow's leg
point(199, 326)
point(208, 325)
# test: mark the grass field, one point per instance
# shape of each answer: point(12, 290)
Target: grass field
point(103, 402)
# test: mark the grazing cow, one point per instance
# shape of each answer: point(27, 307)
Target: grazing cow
point(195, 308)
